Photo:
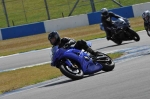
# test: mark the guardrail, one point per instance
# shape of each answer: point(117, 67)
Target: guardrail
point(69, 22)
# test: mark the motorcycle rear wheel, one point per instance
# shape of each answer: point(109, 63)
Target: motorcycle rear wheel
point(118, 42)
point(74, 73)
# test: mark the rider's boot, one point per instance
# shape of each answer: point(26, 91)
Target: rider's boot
point(108, 35)
point(91, 51)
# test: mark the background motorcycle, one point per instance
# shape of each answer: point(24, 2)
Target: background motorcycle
point(122, 31)
point(75, 63)
point(148, 30)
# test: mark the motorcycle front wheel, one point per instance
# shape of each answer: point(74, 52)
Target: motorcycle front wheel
point(74, 72)
point(135, 36)
point(148, 32)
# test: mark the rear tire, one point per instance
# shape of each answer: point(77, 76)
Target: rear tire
point(118, 42)
point(73, 73)
point(116, 38)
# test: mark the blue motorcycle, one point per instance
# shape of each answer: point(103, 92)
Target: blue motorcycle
point(75, 63)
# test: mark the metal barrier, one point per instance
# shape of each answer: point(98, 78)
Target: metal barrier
point(69, 22)
point(18, 12)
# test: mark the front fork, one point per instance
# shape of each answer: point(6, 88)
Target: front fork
point(68, 63)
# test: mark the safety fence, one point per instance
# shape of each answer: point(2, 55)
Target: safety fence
point(18, 12)
point(69, 22)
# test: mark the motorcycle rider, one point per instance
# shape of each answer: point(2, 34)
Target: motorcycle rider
point(56, 41)
point(146, 18)
point(107, 21)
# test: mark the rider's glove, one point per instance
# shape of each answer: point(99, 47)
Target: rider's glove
point(67, 45)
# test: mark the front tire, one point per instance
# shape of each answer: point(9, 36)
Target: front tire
point(148, 32)
point(73, 73)
point(135, 36)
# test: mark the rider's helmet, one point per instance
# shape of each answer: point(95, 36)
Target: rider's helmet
point(54, 38)
point(104, 12)
point(146, 15)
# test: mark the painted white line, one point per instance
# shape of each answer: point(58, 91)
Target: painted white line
point(24, 53)
point(49, 82)
point(49, 61)
point(38, 85)
point(9, 55)
point(25, 66)
point(132, 53)
point(132, 49)
point(37, 64)
point(142, 31)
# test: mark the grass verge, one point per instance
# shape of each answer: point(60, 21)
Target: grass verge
point(40, 41)
point(28, 76)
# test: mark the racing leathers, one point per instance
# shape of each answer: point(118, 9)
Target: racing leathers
point(146, 18)
point(81, 44)
point(108, 23)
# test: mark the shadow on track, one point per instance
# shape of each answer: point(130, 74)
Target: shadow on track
point(114, 45)
point(70, 80)
point(57, 83)
point(101, 72)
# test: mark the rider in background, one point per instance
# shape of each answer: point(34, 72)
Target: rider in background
point(146, 18)
point(107, 21)
point(58, 42)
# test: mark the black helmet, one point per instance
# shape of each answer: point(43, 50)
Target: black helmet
point(104, 12)
point(146, 15)
point(54, 38)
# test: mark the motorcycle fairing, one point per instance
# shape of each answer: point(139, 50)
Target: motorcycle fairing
point(85, 61)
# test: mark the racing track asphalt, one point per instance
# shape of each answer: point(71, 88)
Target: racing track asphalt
point(129, 80)
point(43, 56)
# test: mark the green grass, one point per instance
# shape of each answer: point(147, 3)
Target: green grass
point(32, 75)
point(27, 76)
point(28, 11)
point(115, 55)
